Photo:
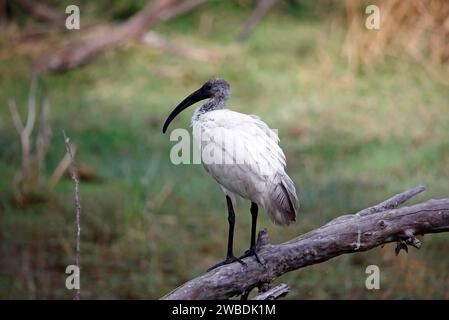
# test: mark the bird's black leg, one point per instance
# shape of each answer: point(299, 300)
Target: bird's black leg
point(253, 247)
point(230, 258)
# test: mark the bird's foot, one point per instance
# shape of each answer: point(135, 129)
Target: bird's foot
point(400, 245)
point(252, 251)
point(409, 239)
point(228, 260)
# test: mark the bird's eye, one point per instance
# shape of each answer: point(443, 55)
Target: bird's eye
point(207, 86)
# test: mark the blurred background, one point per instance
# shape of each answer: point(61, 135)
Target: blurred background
point(362, 114)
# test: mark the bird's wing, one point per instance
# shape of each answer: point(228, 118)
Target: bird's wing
point(250, 162)
point(262, 125)
point(249, 149)
point(253, 126)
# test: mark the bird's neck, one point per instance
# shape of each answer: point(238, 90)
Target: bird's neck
point(215, 103)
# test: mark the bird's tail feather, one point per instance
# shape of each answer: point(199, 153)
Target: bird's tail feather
point(282, 204)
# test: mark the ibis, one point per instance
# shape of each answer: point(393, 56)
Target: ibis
point(251, 163)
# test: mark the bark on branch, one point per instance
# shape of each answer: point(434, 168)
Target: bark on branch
point(367, 229)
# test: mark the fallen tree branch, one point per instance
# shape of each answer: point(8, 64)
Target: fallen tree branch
point(77, 52)
point(345, 234)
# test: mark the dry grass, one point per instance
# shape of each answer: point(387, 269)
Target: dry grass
point(415, 29)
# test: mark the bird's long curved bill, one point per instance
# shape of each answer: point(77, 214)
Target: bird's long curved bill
point(193, 98)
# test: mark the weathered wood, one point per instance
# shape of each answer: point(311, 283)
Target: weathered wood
point(345, 234)
point(393, 202)
point(274, 293)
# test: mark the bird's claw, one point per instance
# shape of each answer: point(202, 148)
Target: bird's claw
point(400, 245)
point(252, 251)
point(228, 260)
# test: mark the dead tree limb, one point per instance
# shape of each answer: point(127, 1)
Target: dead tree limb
point(74, 174)
point(262, 8)
point(78, 52)
point(42, 12)
point(345, 234)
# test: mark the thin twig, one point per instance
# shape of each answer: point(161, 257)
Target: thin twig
point(62, 167)
point(75, 179)
point(31, 117)
point(392, 202)
point(274, 293)
point(15, 115)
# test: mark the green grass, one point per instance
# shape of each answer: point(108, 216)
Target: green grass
point(351, 140)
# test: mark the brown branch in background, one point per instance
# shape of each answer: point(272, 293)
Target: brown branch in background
point(262, 8)
point(74, 174)
point(345, 234)
point(78, 53)
point(42, 12)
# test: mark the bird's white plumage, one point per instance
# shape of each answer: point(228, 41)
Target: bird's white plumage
point(243, 155)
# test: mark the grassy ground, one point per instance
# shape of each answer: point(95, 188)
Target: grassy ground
point(351, 140)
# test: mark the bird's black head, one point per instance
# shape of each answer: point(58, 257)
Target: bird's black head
point(214, 88)
point(217, 87)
